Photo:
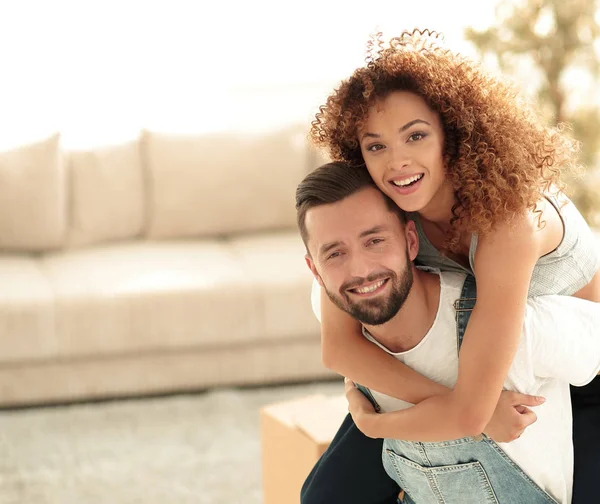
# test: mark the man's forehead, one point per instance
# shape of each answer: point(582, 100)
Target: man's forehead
point(347, 219)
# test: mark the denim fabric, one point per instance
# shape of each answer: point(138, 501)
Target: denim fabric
point(461, 471)
point(463, 308)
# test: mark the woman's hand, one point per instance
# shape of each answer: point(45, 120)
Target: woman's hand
point(360, 408)
point(511, 416)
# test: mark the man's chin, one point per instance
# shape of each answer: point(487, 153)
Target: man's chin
point(369, 312)
point(373, 318)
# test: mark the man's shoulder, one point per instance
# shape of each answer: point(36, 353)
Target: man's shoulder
point(452, 280)
point(553, 307)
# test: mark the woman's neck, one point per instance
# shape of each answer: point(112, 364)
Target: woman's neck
point(439, 210)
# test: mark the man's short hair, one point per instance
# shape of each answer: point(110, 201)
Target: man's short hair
point(331, 183)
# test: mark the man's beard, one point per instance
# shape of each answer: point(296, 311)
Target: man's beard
point(380, 309)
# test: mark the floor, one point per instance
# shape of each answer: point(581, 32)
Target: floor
point(197, 448)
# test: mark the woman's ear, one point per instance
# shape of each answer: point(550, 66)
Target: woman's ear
point(412, 239)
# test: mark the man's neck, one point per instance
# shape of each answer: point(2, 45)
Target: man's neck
point(410, 325)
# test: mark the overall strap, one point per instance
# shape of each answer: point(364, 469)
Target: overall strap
point(463, 307)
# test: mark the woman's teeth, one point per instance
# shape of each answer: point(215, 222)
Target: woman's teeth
point(408, 181)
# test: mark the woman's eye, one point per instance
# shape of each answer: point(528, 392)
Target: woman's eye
point(374, 147)
point(416, 136)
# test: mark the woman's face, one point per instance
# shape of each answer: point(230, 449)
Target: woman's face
point(402, 143)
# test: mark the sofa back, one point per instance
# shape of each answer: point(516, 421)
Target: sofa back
point(223, 183)
point(159, 187)
point(33, 197)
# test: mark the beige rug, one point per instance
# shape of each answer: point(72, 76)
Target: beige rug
point(201, 449)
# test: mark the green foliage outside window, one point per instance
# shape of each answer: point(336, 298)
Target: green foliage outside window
point(553, 48)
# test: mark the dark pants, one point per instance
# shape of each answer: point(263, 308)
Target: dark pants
point(351, 471)
point(586, 440)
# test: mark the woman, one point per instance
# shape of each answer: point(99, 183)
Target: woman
point(480, 175)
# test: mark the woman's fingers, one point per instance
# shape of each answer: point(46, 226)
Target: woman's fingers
point(516, 398)
point(526, 418)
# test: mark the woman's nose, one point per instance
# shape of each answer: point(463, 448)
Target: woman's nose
point(398, 159)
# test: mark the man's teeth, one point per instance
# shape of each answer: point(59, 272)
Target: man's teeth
point(371, 288)
point(408, 181)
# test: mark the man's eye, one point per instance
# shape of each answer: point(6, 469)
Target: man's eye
point(416, 136)
point(333, 256)
point(374, 147)
point(376, 241)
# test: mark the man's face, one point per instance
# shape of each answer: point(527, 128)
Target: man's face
point(362, 254)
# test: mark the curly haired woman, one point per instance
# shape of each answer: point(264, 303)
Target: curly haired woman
point(480, 175)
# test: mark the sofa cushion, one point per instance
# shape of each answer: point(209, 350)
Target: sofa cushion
point(148, 296)
point(276, 266)
point(106, 194)
point(33, 203)
point(144, 296)
point(27, 330)
point(223, 183)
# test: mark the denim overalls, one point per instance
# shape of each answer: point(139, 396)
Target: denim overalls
point(462, 471)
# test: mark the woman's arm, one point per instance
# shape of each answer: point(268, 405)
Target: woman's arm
point(347, 352)
point(510, 419)
point(511, 416)
point(503, 267)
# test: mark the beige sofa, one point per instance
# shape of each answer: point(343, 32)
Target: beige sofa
point(165, 264)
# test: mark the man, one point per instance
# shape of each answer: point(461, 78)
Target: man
point(360, 250)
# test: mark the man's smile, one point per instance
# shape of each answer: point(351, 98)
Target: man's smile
point(370, 288)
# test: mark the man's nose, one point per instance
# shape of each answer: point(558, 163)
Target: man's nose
point(360, 266)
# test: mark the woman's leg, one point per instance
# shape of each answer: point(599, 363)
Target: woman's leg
point(586, 442)
point(350, 472)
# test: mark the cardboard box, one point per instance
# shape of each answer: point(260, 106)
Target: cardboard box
point(294, 435)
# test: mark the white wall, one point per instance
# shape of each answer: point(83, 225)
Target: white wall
point(98, 71)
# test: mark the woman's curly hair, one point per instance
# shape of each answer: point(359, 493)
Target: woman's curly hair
point(498, 155)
